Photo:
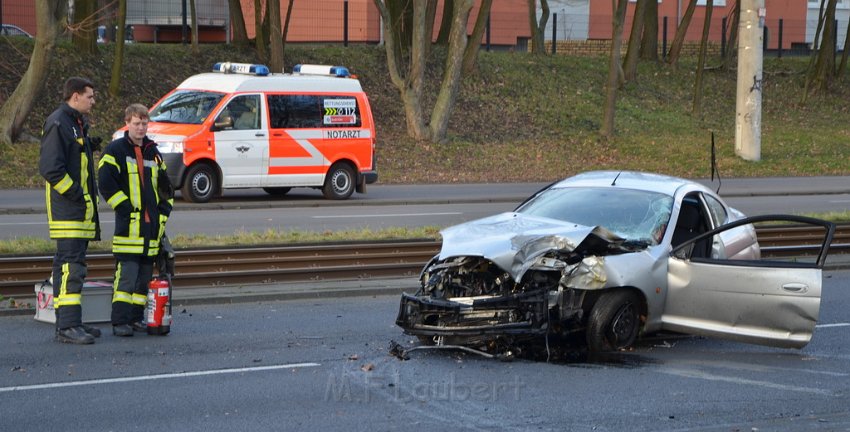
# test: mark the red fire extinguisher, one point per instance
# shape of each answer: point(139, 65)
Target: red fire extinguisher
point(158, 307)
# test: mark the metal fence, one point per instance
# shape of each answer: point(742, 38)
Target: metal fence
point(358, 21)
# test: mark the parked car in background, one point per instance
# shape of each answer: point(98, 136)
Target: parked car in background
point(607, 256)
point(13, 30)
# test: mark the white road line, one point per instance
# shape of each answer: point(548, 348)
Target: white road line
point(832, 325)
point(387, 215)
point(839, 201)
point(156, 377)
point(734, 380)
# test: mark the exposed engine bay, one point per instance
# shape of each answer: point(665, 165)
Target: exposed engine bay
point(540, 288)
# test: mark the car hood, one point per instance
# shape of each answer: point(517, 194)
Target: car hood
point(514, 241)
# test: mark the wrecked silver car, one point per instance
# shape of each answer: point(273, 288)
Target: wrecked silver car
point(609, 256)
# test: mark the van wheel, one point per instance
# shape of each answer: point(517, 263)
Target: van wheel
point(277, 190)
point(339, 183)
point(201, 184)
point(614, 321)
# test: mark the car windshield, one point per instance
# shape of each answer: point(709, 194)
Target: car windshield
point(186, 107)
point(631, 214)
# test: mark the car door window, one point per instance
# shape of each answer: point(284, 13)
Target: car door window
point(716, 209)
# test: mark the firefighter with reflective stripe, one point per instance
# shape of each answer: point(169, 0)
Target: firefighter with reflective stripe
point(133, 181)
point(67, 164)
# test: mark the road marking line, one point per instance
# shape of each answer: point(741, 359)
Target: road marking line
point(832, 325)
point(388, 215)
point(734, 380)
point(156, 377)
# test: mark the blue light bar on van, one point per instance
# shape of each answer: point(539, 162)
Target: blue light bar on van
point(308, 69)
point(241, 68)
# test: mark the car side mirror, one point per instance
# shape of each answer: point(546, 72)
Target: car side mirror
point(224, 122)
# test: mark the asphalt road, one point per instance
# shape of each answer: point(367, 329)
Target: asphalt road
point(21, 211)
point(324, 365)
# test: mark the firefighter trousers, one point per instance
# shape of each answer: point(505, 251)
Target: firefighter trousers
point(133, 273)
point(69, 275)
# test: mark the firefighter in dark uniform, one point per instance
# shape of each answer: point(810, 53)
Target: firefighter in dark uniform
point(133, 181)
point(66, 161)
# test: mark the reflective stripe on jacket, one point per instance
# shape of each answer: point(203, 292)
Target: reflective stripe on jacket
point(122, 187)
point(67, 164)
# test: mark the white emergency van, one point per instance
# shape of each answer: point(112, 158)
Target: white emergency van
point(243, 127)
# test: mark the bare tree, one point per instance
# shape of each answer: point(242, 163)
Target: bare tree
point(632, 52)
point(286, 22)
point(703, 47)
point(732, 40)
point(118, 59)
point(260, 35)
point(194, 15)
point(614, 70)
point(237, 23)
point(410, 79)
point(51, 17)
point(471, 54)
point(822, 69)
point(445, 23)
point(649, 41)
point(538, 27)
point(679, 39)
point(275, 36)
point(84, 29)
point(839, 73)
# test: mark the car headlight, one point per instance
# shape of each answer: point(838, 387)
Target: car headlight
point(170, 146)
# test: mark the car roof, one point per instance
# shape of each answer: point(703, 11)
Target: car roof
point(631, 180)
point(230, 83)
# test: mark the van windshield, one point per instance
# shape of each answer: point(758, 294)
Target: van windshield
point(186, 107)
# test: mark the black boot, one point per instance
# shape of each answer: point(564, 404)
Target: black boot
point(123, 330)
point(92, 330)
point(74, 335)
point(139, 326)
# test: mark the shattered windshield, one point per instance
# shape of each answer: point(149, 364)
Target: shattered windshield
point(186, 107)
point(631, 214)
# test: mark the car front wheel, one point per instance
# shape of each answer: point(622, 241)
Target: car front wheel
point(614, 321)
point(201, 184)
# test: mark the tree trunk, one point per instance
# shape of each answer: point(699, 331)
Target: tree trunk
point(84, 33)
point(193, 11)
point(259, 33)
point(239, 34)
point(821, 74)
point(286, 25)
point(470, 55)
point(839, 73)
point(632, 54)
point(118, 59)
point(607, 129)
point(454, 68)
point(51, 16)
point(732, 40)
point(445, 22)
point(275, 37)
point(538, 27)
point(703, 47)
point(649, 41)
point(679, 39)
point(401, 13)
point(410, 84)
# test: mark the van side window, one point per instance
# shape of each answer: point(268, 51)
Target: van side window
point(242, 112)
point(310, 111)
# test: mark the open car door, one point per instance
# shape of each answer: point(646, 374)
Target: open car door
point(771, 301)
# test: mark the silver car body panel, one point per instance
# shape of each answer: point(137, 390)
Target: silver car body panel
point(764, 305)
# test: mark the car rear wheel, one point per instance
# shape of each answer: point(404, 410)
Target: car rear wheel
point(277, 190)
point(201, 184)
point(339, 183)
point(614, 321)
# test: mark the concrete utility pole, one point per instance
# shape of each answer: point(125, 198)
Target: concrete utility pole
point(748, 101)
